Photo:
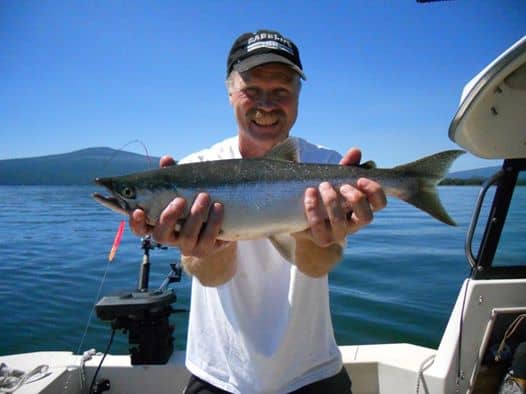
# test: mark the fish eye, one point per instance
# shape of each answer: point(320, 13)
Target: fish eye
point(127, 192)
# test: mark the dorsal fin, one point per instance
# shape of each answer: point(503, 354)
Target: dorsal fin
point(368, 165)
point(286, 150)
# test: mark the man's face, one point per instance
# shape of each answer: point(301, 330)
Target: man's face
point(265, 102)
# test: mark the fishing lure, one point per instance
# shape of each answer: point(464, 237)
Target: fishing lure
point(117, 241)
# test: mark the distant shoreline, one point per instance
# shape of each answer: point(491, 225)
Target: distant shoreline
point(471, 182)
point(83, 166)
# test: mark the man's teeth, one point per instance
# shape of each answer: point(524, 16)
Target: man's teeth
point(262, 120)
point(265, 121)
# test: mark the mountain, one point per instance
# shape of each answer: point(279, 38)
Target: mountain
point(83, 166)
point(75, 168)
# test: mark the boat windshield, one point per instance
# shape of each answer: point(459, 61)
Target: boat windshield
point(494, 244)
point(510, 251)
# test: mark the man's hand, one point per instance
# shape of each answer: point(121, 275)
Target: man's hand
point(332, 215)
point(198, 234)
point(363, 199)
point(196, 237)
point(137, 218)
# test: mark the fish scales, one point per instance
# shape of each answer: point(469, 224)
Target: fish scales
point(263, 197)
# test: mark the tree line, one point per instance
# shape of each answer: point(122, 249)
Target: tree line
point(475, 181)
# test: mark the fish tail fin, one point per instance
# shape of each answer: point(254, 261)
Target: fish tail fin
point(428, 172)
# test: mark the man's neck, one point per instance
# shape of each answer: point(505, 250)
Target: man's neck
point(250, 148)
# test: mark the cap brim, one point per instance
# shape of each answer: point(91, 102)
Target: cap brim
point(264, 58)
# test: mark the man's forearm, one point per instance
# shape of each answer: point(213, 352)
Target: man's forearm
point(215, 269)
point(314, 260)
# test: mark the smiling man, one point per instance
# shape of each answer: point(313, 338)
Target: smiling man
point(265, 102)
point(259, 323)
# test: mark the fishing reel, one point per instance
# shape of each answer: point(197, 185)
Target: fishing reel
point(144, 313)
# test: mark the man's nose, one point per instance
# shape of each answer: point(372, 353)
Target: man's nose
point(266, 100)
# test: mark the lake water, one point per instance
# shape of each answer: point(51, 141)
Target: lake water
point(397, 283)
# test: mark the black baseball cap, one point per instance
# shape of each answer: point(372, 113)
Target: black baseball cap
point(263, 46)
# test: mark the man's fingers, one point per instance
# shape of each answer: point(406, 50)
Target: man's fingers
point(362, 213)
point(352, 157)
point(164, 232)
point(316, 217)
point(166, 161)
point(208, 236)
point(138, 224)
point(374, 192)
point(333, 204)
point(189, 234)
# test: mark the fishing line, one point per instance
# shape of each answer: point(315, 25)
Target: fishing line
point(118, 151)
point(101, 284)
point(93, 307)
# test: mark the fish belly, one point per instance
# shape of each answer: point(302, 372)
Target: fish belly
point(257, 210)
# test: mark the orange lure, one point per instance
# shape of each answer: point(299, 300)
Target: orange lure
point(117, 241)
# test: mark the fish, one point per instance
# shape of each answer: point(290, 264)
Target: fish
point(264, 197)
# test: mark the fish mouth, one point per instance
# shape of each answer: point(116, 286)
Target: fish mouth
point(112, 203)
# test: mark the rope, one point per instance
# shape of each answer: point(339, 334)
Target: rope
point(509, 332)
point(428, 361)
point(12, 379)
point(87, 355)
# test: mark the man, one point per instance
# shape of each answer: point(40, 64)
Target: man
point(259, 324)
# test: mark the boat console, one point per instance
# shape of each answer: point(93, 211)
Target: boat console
point(491, 123)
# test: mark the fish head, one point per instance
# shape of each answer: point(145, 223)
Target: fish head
point(123, 198)
point(129, 193)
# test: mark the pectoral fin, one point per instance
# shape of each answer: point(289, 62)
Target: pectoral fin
point(285, 245)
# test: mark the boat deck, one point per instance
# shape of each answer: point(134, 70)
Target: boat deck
point(373, 369)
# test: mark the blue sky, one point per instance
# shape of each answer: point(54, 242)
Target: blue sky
point(383, 75)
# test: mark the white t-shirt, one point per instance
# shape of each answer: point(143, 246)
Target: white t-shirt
point(269, 328)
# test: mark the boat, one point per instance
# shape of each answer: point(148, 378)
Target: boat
point(478, 346)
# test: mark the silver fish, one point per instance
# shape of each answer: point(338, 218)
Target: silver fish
point(263, 197)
